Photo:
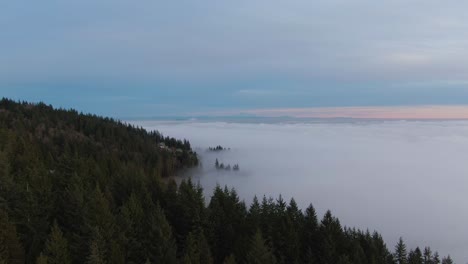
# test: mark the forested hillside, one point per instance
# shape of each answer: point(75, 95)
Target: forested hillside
point(78, 188)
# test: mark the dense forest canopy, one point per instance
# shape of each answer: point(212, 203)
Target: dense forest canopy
point(78, 188)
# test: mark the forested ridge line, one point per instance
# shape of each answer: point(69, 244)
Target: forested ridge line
point(78, 188)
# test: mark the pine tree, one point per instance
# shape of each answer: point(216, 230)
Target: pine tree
point(96, 255)
point(161, 245)
point(436, 259)
point(331, 238)
point(97, 249)
point(293, 224)
point(7, 183)
point(99, 214)
point(447, 260)
point(382, 252)
point(400, 252)
point(226, 217)
point(131, 219)
point(71, 205)
point(358, 255)
point(11, 250)
point(259, 252)
point(169, 201)
point(56, 249)
point(197, 250)
point(266, 214)
point(99, 218)
point(189, 212)
point(310, 236)
point(280, 231)
point(192, 252)
point(204, 248)
point(254, 216)
point(427, 255)
point(415, 257)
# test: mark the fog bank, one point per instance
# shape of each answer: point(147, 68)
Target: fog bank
point(400, 178)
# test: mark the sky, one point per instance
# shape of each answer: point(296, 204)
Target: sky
point(157, 58)
point(400, 178)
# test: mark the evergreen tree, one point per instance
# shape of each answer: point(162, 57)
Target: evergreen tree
point(189, 212)
point(203, 248)
point(280, 229)
point(400, 252)
point(267, 213)
point(427, 255)
point(71, 205)
point(254, 216)
point(11, 250)
point(100, 219)
point(380, 253)
point(197, 250)
point(310, 236)
point(447, 260)
point(331, 238)
point(259, 252)
point(415, 257)
point(56, 248)
point(290, 226)
point(161, 245)
point(226, 217)
point(436, 259)
point(192, 251)
point(132, 221)
point(97, 249)
point(357, 254)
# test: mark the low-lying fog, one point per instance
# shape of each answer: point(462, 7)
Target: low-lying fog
point(400, 178)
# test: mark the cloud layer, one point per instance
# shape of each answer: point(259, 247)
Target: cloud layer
point(338, 39)
point(370, 112)
point(400, 178)
point(187, 55)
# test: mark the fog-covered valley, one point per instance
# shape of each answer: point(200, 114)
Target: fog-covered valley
point(400, 178)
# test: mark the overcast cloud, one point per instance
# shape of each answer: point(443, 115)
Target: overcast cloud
point(177, 56)
point(150, 39)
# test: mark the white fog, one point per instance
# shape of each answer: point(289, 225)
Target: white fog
point(400, 178)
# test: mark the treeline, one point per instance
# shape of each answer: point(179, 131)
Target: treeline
point(51, 160)
point(221, 166)
point(58, 132)
point(78, 188)
point(218, 148)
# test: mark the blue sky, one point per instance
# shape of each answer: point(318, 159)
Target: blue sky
point(150, 58)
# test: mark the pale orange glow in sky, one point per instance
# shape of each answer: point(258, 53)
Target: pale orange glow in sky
point(370, 112)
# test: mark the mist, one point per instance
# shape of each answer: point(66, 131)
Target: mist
point(400, 178)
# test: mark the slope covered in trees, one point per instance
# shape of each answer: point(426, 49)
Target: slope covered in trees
point(79, 188)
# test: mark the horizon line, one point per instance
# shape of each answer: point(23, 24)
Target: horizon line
point(406, 112)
